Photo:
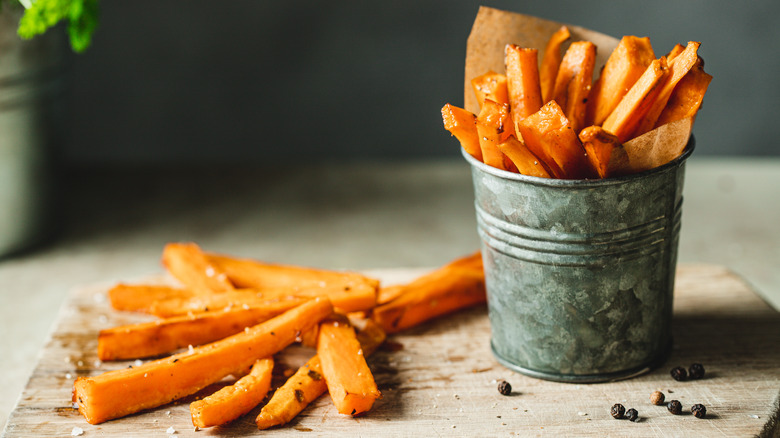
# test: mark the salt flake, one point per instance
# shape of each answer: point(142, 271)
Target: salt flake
point(170, 431)
point(77, 431)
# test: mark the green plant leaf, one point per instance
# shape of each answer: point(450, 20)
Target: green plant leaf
point(81, 15)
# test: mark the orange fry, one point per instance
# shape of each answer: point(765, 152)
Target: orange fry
point(605, 152)
point(187, 263)
point(522, 74)
point(247, 273)
point(676, 50)
point(490, 85)
point(551, 61)
point(687, 95)
point(573, 82)
point(234, 400)
point(170, 334)
point(625, 65)
point(548, 135)
point(678, 68)
point(526, 162)
point(493, 125)
point(140, 298)
point(350, 382)
point(463, 125)
point(454, 286)
point(623, 120)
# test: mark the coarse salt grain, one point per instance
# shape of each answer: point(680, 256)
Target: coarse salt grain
point(190, 349)
point(245, 306)
point(755, 416)
point(68, 376)
point(138, 362)
point(98, 363)
point(210, 271)
point(77, 431)
point(170, 431)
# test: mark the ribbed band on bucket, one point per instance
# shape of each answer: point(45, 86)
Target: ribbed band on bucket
point(552, 247)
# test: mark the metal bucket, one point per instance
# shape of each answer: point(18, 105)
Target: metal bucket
point(580, 273)
point(30, 122)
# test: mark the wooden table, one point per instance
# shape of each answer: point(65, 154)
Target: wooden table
point(440, 378)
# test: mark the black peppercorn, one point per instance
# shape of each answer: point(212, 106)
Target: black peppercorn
point(699, 411)
point(675, 407)
point(632, 414)
point(504, 387)
point(617, 411)
point(678, 374)
point(696, 371)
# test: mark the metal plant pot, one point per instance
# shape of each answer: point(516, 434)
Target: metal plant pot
point(30, 97)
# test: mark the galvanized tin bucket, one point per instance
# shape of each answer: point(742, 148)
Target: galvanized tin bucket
point(580, 273)
point(31, 89)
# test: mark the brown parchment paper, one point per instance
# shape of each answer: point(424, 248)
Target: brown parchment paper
point(493, 29)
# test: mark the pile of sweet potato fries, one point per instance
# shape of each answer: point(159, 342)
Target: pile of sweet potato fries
point(552, 121)
point(231, 316)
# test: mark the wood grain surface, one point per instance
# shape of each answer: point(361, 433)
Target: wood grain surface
point(440, 378)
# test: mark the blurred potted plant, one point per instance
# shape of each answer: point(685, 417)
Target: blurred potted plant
point(31, 67)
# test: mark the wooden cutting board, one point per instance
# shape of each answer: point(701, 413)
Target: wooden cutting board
point(440, 378)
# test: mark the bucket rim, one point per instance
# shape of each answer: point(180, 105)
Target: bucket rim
point(555, 182)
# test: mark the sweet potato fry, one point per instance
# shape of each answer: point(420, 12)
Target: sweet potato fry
point(493, 123)
point(350, 382)
point(625, 65)
point(463, 125)
point(234, 400)
point(454, 286)
point(573, 82)
point(551, 60)
point(246, 273)
point(307, 383)
point(525, 161)
point(548, 135)
point(345, 300)
point(624, 119)
point(302, 388)
point(170, 334)
point(605, 152)
point(226, 301)
point(122, 392)
point(388, 293)
point(139, 298)
point(522, 75)
point(187, 263)
point(676, 50)
point(490, 85)
point(678, 68)
point(687, 96)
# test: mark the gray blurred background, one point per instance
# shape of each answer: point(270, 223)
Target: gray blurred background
point(287, 82)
